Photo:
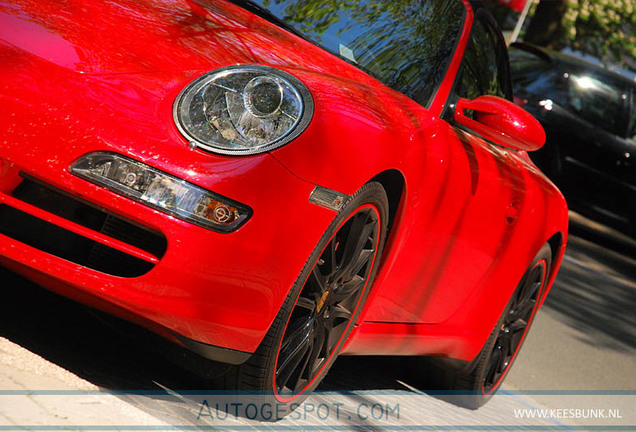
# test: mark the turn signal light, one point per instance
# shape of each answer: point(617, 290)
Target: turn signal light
point(161, 191)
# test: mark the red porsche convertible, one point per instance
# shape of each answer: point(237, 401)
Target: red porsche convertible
point(274, 183)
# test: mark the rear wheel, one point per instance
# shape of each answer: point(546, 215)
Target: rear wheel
point(477, 381)
point(321, 308)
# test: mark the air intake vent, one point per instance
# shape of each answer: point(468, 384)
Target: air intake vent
point(73, 247)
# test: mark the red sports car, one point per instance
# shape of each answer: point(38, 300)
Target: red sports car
point(274, 183)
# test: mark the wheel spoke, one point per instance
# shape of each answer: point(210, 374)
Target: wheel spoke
point(362, 260)
point(297, 371)
point(306, 303)
point(529, 291)
point(292, 353)
point(518, 326)
point(523, 311)
point(524, 307)
point(356, 240)
point(499, 359)
point(340, 313)
point(329, 259)
point(292, 342)
point(519, 294)
point(317, 355)
point(502, 362)
point(516, 337)
point(302, 380)
point(507, 349)
point(339, 322)
point(297, 331)
point(318, 281)
point(351, 256)
point(345, 291)
point(502, 349)
point(489, 376)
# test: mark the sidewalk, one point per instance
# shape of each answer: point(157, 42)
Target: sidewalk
point(35, 394)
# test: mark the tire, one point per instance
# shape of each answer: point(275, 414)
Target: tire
point(321, 308)
point(476, 382)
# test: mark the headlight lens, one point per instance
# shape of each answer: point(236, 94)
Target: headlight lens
point(161, 191)
point(243, 110)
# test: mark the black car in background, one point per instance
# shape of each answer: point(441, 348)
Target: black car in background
point(589, 115)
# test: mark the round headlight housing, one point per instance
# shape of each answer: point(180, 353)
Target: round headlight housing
point(243, 110)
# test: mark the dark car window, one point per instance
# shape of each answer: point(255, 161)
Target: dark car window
point(552, 85)
point(595, 98)
point(523, 63)
point(537, 79)
point(599, 101)
point(484, 69)
point(531, 74)
point(407, 45)
point(545, 85)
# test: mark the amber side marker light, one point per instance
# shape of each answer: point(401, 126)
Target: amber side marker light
point(161, 191)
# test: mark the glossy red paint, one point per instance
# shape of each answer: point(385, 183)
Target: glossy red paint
point(501, 121)
point(103, 77)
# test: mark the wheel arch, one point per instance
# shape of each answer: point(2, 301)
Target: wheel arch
point(557, 246)
point(393, 183)
point(556, 242)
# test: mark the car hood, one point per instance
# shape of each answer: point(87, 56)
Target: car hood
point(137, 36)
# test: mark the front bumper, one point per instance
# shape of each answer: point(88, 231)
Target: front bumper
point(218, 289)
point(213, 288)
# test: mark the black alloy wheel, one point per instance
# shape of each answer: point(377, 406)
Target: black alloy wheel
point(327, 302)
point(321, 308)
point(514, 326)
point(473, 383)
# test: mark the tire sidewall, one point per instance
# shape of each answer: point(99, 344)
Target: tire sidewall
point(480, 364)
point(372, 194)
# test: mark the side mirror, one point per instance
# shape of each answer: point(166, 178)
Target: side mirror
point(502, 122)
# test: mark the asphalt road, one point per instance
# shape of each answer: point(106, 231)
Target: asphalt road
point(583, 339)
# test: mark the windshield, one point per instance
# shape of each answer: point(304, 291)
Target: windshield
point(406, 44)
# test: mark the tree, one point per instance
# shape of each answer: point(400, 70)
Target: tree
point(546, 25)
point(603, 28)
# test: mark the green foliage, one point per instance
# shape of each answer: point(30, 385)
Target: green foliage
point(601, 26)
point(604, 28)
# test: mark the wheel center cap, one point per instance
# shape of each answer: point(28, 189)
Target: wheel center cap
point(322, 300)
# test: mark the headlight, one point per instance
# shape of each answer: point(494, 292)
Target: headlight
point(243, 110)
point(161, 191)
